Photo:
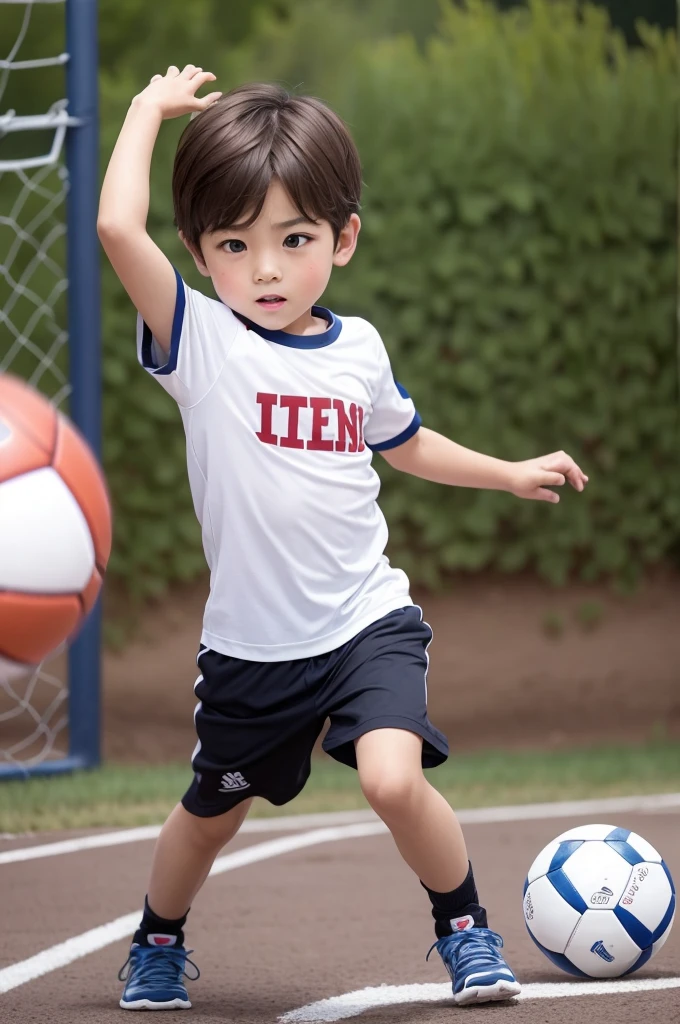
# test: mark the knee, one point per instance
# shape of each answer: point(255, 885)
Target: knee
point(214, 833)
point(392, 792)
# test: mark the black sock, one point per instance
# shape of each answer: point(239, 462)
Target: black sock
point(458, 909)
point(157, 931)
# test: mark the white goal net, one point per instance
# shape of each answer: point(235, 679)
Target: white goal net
point(33, 286)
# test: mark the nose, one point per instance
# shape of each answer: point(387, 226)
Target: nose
point(266, 271)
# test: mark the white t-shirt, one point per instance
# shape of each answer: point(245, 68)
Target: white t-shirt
point(280, 431)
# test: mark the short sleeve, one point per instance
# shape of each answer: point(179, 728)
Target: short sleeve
point(203, 331)
point(394, 418)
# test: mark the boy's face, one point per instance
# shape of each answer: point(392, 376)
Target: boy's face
point(275, 270)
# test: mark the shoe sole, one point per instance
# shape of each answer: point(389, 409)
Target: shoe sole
point(488, 993)
point(147, 1004)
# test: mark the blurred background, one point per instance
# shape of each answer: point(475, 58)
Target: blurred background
point(519, 256)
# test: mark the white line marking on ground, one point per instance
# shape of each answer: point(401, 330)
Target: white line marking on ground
point(351, 1004)
point(131, 835)
point(571, 808)
point(284, 823)
point(97, 938)
point(477, 816)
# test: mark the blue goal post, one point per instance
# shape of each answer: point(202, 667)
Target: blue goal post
point(66, 175)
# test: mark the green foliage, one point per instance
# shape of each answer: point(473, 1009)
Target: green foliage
point(625, 14)
point(156, 536)
point(518, 255)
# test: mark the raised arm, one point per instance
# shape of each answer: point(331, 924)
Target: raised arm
point(146, 274)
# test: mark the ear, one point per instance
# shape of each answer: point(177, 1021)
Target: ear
point(198, 258)
point(347, 241)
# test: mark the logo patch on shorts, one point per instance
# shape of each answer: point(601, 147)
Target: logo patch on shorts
point(232, 781)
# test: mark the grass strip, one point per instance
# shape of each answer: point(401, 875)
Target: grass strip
point(128, 795)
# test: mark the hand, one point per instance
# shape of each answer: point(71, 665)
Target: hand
point(174, 93)
point(533, 478)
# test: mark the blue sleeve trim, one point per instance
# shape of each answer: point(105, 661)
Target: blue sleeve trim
point(178, 319)
point(394, 442)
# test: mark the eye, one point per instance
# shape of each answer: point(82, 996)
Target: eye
point(295, 241)
point(234, 245)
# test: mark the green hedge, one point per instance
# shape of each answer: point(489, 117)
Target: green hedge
point(518, 255)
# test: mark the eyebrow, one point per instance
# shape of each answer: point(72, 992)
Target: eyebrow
point(293, 223)
point(284, 224)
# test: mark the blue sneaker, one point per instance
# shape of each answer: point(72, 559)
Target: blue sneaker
point(154, 978)
point(478, 971)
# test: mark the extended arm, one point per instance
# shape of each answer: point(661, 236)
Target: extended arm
point(434, 457)
point(146, 274)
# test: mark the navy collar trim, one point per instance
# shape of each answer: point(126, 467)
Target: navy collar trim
point(299, 340)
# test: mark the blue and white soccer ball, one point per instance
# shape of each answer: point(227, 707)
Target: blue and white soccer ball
point(599, 901)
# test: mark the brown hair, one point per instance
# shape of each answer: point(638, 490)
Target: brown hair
point(228, 155)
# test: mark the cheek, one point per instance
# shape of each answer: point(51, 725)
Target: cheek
point(227, 280)
point(314, 274)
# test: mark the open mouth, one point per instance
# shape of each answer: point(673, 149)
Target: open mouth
point(271, 301)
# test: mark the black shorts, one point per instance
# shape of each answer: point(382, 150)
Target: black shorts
point(257, 722)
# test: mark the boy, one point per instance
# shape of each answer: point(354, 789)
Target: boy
point(283, 403)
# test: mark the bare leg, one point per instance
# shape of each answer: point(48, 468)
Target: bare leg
point(430, 840)
point(422, 823)
point(184, 854)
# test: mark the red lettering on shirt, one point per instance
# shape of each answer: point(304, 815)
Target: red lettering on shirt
point(319, 443)
point(346, 425)
point(341, 432)
point(267, 403)
point(293, 403)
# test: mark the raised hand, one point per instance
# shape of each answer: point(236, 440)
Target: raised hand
point(535, 477)
point(174, 93)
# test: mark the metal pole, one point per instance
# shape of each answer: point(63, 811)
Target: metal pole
point(84, 325)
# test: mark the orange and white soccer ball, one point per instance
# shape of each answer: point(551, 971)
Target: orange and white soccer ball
point(55, 528)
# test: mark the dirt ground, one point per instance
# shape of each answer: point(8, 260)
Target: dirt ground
point(514, 663)
point(301, 926)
